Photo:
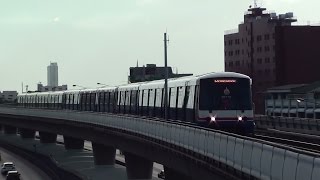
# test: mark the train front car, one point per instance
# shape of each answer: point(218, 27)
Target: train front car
point(225, 102)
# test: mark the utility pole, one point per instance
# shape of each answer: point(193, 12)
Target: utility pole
point(166, 79)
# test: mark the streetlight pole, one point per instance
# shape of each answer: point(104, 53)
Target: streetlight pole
point(299, 100)
point(166, 79)
point(102, 85)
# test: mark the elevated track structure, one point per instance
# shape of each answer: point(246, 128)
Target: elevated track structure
point(185, 150)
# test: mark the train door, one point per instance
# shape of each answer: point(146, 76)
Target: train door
point(134, 101)
point(195, 103)
point(151, 101)
point(115, 101)
point(162, 115)
point(170, 111)
point(106, 102)
point(154, 102)
point(158, 102)
point(176, 111)
point(141, 102)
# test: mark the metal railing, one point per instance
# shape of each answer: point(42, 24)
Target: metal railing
point(293, 124)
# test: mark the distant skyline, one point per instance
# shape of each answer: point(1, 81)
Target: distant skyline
point(97, 41)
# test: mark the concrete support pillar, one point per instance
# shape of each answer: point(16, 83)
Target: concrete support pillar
point(103, 155)
point(27, 133)
point(10, 129)
point(46, 137)
point(73, 143)
point(138, 167)
point(171, 174)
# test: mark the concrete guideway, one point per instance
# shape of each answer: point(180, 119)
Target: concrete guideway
point(79, 162)
point(256, 158)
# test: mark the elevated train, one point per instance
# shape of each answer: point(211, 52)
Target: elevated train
point(219, 100)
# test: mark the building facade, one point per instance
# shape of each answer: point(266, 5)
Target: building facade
point(41, 88)
point(8, 96)
point(151, 72)
point(272, 52)
point(294, 100)
point(52, 74)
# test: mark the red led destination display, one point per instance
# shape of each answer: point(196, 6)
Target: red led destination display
point(225, 81)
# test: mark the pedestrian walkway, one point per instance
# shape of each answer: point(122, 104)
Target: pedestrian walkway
point(80, 162)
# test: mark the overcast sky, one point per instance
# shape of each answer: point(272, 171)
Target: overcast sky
point(98, 40)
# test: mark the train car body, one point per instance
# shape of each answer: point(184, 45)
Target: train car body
point(219, 100)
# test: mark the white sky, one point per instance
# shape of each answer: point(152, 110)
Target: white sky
point(97, 41)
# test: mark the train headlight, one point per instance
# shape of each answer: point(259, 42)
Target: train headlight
point(213, 119)
point(239, 118)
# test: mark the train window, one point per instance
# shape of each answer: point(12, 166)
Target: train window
point(93, 97)
point(107, 101)
point(100, 100)
point(133, 101)
point(186, 97)
point(225, 94)
point(172, 97)
point(111, 101)
point(155, 100)
point(148, 98)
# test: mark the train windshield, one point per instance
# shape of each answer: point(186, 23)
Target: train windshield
point(225, 94)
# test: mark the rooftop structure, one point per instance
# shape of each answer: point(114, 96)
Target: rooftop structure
point(151, 72)
point(272, 52)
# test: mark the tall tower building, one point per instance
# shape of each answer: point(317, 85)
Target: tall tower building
point(52, 70)
point(272, 51)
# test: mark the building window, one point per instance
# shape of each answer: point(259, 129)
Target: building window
point(225, 53)
point(267, 71)
point(259, 38)
point(267, 60)
point(273, 35)
point(230, 42)
point(259, 49)
point(259, 60)
point(237, 52)
point(259, 72)
point(266, 37)
point(267, 48)
point(225, 43)
point(237, 41)
point(230, 53)
point(274, 59)
point(242, 51)
point(231, 64)
point(237, 63)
